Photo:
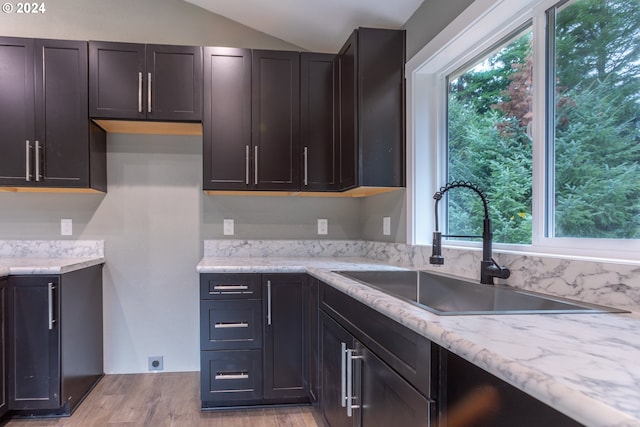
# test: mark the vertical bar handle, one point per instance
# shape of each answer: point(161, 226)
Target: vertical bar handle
point(139, 92)
point(306, 165)
point(27, 167)
point(255, 165)
point(343, 374)
point(149, 92)
point(269, 302)
point(36, 155)
point(246, 164)
point(349, 382)
point(50, 288)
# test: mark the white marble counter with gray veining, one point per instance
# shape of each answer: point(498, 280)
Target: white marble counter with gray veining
point(584, 365)
point(49, 256)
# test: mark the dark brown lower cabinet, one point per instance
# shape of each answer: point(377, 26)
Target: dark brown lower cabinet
point(285, 338)
point(472, 397)
point(55, 331)
point(359, 389)
point(254, 349)
point(4, 390)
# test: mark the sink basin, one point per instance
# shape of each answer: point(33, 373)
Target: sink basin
point(448, 295)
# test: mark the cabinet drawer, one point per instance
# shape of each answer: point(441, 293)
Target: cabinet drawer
point(230, 324)
point(230, 377)
point(230, 286)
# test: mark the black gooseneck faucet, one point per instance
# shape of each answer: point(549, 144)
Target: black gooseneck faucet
point(489, 268)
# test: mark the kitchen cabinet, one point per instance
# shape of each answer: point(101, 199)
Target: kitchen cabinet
point(251, 120)
point(317, 114)
point(253, 339)
point(370, 109)
point(48, 140)
point(145, 82)
point(4, 350)
point(472, 397)
point(285, 338)
point(226, 124)
point(375, 372)
point(275, 116)
point(55, 330)
point(314, 340)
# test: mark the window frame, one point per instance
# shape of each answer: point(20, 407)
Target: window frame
point(483, 24)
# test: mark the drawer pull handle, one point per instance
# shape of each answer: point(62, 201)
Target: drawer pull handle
point(232, 376)
point(224, 325)
point(231, 287)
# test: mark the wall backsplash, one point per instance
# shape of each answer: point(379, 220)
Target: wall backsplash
point(611, 284)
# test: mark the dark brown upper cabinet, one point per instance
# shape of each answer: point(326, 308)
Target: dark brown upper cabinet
point(251, 128)
point(145, 82)
point(370, 115)
point(45, 134)
point(275, 119)
point(226, 124)
point(319, 154)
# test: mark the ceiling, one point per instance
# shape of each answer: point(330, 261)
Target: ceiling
point(315, 25)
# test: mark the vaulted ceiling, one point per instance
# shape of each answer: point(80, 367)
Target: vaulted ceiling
point(315, 25)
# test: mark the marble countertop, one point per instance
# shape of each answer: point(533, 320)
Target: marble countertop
point(584, 365)
point(35, 265)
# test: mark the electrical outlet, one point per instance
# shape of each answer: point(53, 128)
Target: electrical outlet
point(66, 227)
point(323, 226)
point(386, 226)
point(156, 363)
point(228, 227)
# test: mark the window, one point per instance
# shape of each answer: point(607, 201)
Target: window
point(538, 103)
point(594, 131)
point(488, 114)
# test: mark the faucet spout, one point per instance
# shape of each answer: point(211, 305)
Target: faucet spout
point(489, 268)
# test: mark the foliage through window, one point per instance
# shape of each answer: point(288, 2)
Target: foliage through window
point(489, 112)
point(592, 136)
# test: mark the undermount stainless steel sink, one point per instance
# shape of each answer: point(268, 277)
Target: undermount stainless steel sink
point(448, 295)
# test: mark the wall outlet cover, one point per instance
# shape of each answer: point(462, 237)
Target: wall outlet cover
point(156, 363)
point(323, 226)
point(66, 227)
point(386, 225)
point(228, 227)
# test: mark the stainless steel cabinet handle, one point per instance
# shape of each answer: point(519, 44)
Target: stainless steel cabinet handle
point(343, 374)
point(246, 164)
point(37, 159)
point(139, 92)
point(27, 166)
point(232, 376)
point(268, 302)
point(350, 395)
point(149, 92)
point(255, 165)
point(223, 325)
point(231, 287)
point(306, 165)
point(50, 288)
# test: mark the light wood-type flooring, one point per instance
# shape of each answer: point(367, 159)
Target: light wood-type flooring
point(165, 399)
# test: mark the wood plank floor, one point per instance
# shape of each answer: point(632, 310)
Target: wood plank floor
point(165, 399)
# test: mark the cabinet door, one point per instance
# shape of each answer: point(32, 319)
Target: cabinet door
point(34, 377)
point(117, 80)
point(334, 341)
point(227, 119)
point(285, 337)
point(16, 111)
point(384, 398)
point(4, 348)
point(316, 121)
point(380, 138)
point(275, 90)
point(314, 342)
point(61, 153)
point(174, 83)
point(346, 121)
